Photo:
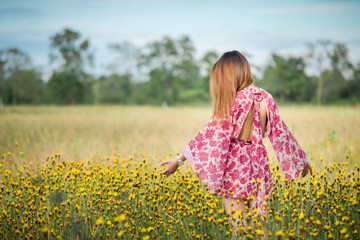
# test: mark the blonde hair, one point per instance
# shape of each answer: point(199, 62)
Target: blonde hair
point(231, 73)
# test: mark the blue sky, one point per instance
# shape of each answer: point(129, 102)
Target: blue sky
point(255, 27)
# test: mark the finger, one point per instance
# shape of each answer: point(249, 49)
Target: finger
point(169, 172)
point(166, 161)
point(303, 173)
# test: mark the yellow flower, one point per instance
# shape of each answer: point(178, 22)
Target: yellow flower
point(100, 221)
point(239, 213)
point(301, 216)
point(279, 233)
point(292, 235)
point(343, 231)
point(120, 233)
point(146, 238)
point(122, 217)
point(44, 230)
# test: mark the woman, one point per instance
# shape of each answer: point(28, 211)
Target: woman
point(228, 154)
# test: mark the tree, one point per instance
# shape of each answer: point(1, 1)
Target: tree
point(115, 89)
point(65, 88)
point(72, 52)
point(88, 89)
point(26, 87)
point(13, 60)
point(2, 81)
point(285, 78)
point(127, 55)
point(67, 85)
point(171, 67)
point(317, 55)
point(353, 89)
point(330, 60)
point(207, 62)
point(17, 76)
point(118, 87)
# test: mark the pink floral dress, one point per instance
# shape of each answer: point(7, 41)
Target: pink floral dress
point(240, 168)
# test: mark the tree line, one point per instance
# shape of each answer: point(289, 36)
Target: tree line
point(166, 72)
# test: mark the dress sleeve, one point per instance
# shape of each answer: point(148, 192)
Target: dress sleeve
point(291, 157)
point(207, 152)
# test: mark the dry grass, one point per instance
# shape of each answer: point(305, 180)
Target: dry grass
point(78, 132)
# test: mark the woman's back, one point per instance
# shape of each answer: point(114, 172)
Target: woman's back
point(246, 130)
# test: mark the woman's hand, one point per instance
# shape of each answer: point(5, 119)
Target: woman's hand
point(306, 170)
point(172, 165)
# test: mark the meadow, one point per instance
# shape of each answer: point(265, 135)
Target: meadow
point(91, 172)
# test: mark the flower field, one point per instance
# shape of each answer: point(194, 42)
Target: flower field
point(122, 196)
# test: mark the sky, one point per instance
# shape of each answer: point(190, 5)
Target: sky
point(256, 27)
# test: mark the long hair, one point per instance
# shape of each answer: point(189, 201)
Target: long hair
point(231, 73)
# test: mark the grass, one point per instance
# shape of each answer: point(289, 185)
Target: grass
point(90, 172)
point(77, 132)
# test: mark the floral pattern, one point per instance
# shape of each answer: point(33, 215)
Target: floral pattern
point(240, 168)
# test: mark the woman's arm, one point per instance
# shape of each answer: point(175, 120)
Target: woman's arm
point(172, 165)
point(292, 158)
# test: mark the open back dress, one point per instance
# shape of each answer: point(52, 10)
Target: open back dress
point(240, 168)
